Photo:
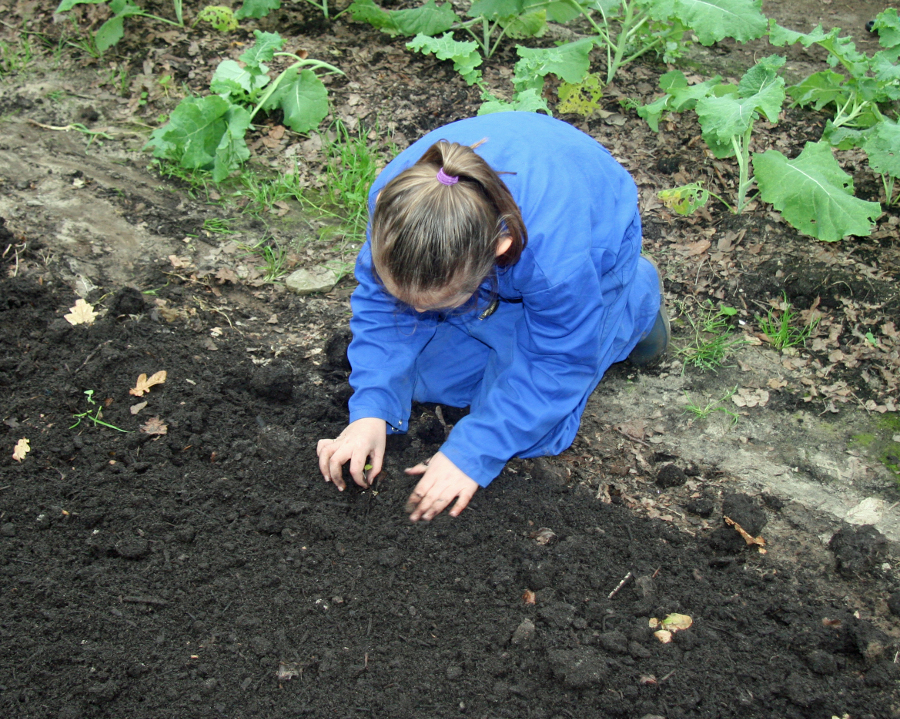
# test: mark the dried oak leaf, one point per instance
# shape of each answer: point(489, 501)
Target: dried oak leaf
point(144, 383)
point(21, 449)
point(154, 425)
point(81, 314)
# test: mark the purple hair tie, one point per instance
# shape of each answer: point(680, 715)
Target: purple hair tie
point(446, 179)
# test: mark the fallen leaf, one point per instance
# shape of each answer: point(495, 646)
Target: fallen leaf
point(21, 449)
point(154, 425)
point(144, 384)
point(663, 635)
point(81, 314)
point(528, 597)
point(759, 541)
point(135, 408)
point(179, 262)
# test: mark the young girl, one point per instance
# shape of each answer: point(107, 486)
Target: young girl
point(502, 272)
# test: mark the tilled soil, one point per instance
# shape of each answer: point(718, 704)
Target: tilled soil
point(211, 572)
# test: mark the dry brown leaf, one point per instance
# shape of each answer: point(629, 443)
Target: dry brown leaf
point(144, 383)
point(135, 408)
point(154, 425)
point(529, 597)
point(81, 314)
point(179, 262)
point(21, 449)
point(759, 541)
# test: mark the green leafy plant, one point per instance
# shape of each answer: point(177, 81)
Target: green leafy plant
point(726, 112)
point(570, 62)
point(857, 86)
point(208, 132)
point(489, 21)
point(811, 191)
point(93, 415)
point(113, 29)
point(712, 338)
point(704, 411)
point(881, 143)
point(780, 326)
point(628, 29)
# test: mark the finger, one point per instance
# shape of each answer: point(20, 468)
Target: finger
point(336, 469)
point(461, 503)
point(376, 461)
point(432, 504)
point(324, 450)
point(358, 470)
point(420, 468)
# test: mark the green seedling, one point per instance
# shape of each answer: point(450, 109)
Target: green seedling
point(704, 411)
point(712, 338)
point(93, 415)
point(274, 258)
point(779, 326)
point(16, 57)
point(218, 226)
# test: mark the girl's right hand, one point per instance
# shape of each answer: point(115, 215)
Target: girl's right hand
point(361, 443)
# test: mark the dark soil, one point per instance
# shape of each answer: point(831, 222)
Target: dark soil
point(211, 572)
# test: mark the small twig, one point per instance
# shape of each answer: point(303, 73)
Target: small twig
point(633, 439)
point(620, 585)
point(667, 675)
point(653, 576)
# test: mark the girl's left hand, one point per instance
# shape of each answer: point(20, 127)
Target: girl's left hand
point(441, 483)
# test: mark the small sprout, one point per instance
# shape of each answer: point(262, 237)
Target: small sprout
point(21, 449)
point(666, 628)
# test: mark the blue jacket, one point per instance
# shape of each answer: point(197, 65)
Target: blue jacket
point(575, 302)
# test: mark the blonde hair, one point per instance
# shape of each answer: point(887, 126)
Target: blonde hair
point(428, 236)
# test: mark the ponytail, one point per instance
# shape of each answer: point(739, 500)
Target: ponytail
point(437, 224)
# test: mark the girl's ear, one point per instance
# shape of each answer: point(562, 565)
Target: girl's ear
point(503, 244)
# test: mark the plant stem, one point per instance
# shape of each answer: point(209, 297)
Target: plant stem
point(741, 144)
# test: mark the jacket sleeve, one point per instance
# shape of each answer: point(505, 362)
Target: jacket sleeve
point(554, 366)
point(387, 340)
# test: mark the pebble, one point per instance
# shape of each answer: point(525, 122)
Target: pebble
point(524, 632)
point(8, 529)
